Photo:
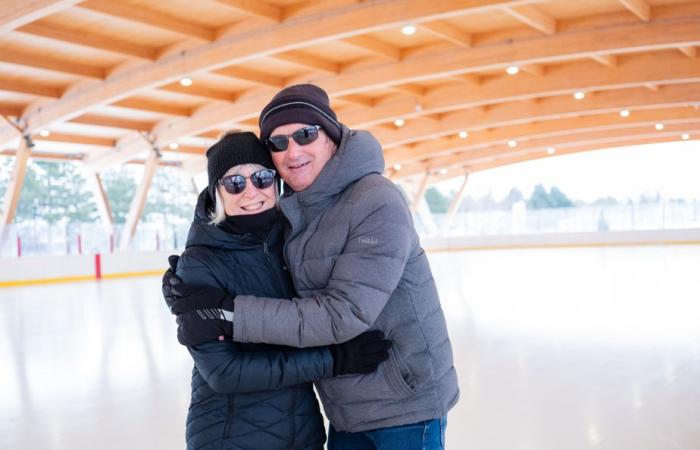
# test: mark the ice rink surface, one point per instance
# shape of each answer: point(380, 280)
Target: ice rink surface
point(556, 349)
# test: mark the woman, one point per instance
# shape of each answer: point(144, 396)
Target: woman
point(254, 396)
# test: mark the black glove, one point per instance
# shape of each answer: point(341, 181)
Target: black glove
point(170, 280)
point(204, 313)
point(361, 354)
point(203, 325)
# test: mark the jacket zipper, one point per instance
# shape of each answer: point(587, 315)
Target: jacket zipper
point(229, 417)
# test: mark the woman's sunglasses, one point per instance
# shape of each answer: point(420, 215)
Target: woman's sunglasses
point(235, 184)
point(303, 136)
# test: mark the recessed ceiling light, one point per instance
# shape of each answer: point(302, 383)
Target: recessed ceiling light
point(551, 150)
point(512, 144)
point(44, 132)
point(659, 126)
point(399, 122)
point(408, 30)
point(397, 166)
point(625, 113)
point(579, 95)
point(512, 70)
point(186, 81)
point(443, 171)
point(685, 136)
point(463, 134)
point(173, 146)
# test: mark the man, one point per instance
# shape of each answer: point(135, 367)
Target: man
point(357, 264)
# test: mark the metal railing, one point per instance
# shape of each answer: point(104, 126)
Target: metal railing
point(36, 238)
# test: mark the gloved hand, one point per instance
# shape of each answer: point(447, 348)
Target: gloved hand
point(204, 313)
point(362, 354)
point(204, 325)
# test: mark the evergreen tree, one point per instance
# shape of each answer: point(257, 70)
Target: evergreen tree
point(171, 198)
point(539, 199)
point(120, 186)
point(437, 201)
point(513, 197)
point(557, 199)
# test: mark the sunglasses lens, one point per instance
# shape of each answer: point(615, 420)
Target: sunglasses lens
point(263, 179)
point(234, 184)
point(277, 143)
point(305, 136)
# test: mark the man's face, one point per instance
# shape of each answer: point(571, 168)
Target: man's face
point(300, 165)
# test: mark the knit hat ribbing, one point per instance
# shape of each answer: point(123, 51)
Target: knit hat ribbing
point(301, 103)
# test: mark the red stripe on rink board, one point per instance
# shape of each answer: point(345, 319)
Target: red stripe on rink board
point(98, 266)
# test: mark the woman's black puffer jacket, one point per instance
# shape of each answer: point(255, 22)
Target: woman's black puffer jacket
point(248, 396)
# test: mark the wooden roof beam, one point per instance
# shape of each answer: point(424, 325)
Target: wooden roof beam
point(303, 59)
point(76, 139)
point(533, 17)
point(113, 122)
point(148, 17)
point(606, 60)
point(445, 145)
point(601, 138)
point(235, 49)
point(448, 32)
point(559, 47)
point(152, 106)
point(200, 91)
point(90, 40)
point(375, 46)
point(32, 88)
point(689, 51)
point(561, 80)
point(251, 76)
point(639, 8)
point(255, 8)
point(51, 63)
point(14, 14)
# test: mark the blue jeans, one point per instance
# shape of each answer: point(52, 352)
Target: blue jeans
point(427, 435)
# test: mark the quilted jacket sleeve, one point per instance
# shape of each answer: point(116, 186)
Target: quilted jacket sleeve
point(364, 276)
point(228, 370)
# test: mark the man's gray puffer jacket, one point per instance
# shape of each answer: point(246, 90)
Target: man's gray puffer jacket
point(248, 396)
point(357, 264)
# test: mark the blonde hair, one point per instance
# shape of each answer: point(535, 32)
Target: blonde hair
point(219, 213)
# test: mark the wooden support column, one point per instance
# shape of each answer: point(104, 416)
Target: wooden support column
point(14, 189)
point(457, 199)
point(137, 204)
point(101, 199)
point(418, 196)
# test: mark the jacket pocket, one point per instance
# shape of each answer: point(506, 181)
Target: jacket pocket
point(399, 375)
point(392, 381)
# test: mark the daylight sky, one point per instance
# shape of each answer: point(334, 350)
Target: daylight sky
point(673, 169)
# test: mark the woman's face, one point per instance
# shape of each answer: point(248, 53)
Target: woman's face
point(252, 200)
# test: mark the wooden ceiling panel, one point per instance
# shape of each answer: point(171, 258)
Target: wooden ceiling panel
point(101, 71)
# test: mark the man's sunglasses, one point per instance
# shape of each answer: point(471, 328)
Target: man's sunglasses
point(235, 184)
point(303, 136)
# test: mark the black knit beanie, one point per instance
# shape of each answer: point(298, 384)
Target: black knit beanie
point(234, 149)
point(301, 103)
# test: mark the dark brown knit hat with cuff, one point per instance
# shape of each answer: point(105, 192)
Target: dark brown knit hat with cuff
point(301, 103)
point(231, 150)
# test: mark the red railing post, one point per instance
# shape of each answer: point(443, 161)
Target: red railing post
point(98, 266)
